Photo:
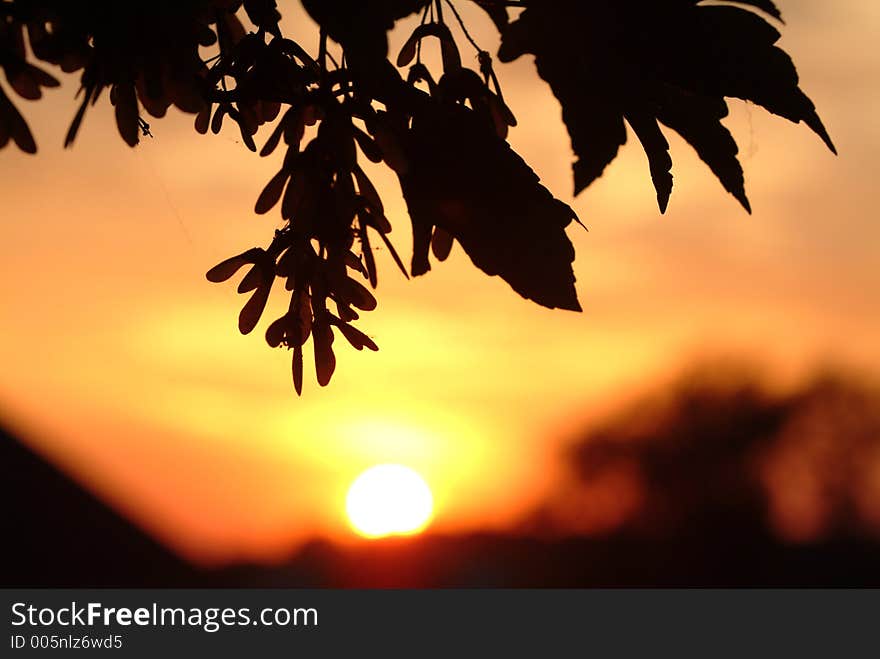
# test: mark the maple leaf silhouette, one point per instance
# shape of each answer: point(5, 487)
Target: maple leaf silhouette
point(650, 62)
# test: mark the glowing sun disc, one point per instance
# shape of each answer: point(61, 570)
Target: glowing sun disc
point(389, 499)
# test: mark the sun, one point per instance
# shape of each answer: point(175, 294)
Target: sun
point(389, 499)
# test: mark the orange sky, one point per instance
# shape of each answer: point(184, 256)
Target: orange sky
point(124, 364)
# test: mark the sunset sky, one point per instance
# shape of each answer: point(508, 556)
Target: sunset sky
point(124, 365)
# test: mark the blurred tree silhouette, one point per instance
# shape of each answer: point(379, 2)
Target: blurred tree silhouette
point(718, 448)
point(443, 132)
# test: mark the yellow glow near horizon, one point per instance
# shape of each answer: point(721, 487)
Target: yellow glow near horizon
point(389, 499)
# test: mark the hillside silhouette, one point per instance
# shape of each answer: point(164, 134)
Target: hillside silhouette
point(60, 535)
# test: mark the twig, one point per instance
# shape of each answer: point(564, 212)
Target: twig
point(463, 28)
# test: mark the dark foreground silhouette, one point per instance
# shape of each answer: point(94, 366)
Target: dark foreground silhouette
point(706, 456)
point(635, 70)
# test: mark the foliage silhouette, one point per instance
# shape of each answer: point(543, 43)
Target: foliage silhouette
point(643, 63)
point(650, 62)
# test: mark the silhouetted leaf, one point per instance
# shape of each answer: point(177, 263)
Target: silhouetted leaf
point(767, 6)
point(657, 149)
point(467, 181)
point(669, 60)
point(264, 14)
point(497, 12)
point(361, 26)
point(698, 120)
